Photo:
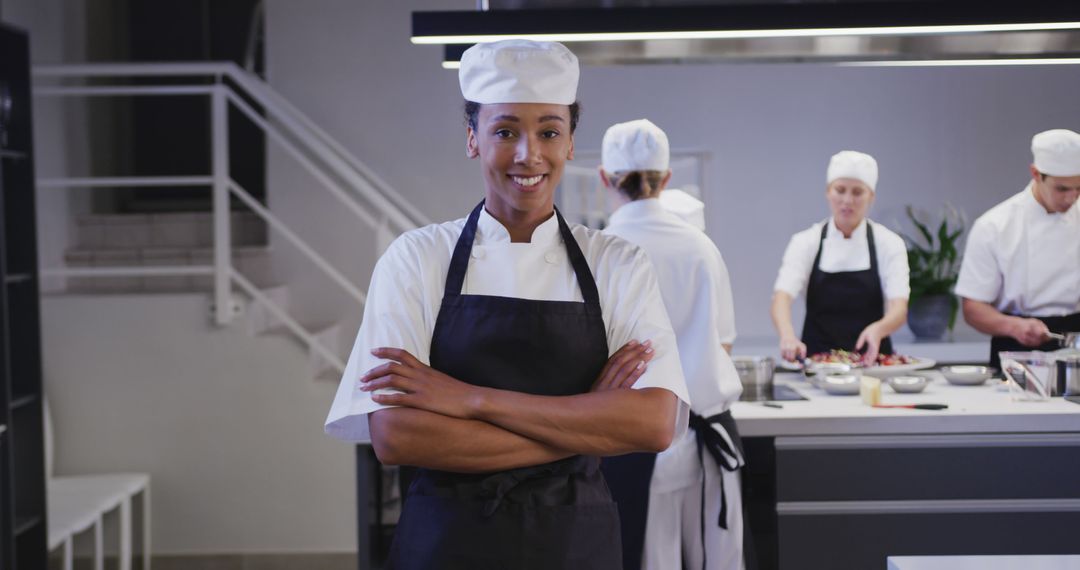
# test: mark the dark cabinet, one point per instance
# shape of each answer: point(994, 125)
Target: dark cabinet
point(23, 529)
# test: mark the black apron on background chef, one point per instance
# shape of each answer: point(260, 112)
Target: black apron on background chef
point(854, 271)
point(1020, 276)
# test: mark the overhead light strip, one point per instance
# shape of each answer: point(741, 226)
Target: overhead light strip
point(963, 62)
point(749, 34)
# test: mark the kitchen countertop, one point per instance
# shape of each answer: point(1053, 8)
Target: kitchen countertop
point(972, 409)
point(970, 351)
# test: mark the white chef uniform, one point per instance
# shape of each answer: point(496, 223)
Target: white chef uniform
point(697, 293)
point(407, 289)
point(845, 254)
point(1023, 260)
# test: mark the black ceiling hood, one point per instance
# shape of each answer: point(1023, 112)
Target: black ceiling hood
point(859, 31)
point(742, 17)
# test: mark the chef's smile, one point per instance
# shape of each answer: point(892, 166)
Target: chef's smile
point(527, 183)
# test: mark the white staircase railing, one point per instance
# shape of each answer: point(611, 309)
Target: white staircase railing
point(351, 182)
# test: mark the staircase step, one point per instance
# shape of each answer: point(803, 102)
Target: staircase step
point(328, 334)
point(183, 229)
point(254, 262)
point(260, 319)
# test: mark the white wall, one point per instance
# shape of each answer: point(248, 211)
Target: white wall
point(229, 426)
point(957, 135)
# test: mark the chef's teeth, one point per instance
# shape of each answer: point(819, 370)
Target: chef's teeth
point(528, 181)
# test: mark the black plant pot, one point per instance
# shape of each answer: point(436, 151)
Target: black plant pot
point(928, 317)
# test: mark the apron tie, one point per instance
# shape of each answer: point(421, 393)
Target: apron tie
point(726, 455)
point(499, 485)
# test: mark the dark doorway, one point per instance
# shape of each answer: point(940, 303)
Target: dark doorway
point(171, 135)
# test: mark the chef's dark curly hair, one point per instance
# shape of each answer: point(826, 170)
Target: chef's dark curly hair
point(472, 111)
point(638, 184)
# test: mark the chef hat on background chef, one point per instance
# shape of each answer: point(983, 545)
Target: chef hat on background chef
point(853, 164)
point(519, 71)
point(635, 145)
point(685, 206)
point(1057, 152)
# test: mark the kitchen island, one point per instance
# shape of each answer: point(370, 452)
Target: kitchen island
point(833, 483)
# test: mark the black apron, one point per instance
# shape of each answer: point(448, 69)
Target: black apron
point(840, 305)
point(1063, 324)
point(556, 515)
point(630, 476)
point(708, 439)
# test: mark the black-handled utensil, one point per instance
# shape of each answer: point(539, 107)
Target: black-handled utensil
point(915, 406)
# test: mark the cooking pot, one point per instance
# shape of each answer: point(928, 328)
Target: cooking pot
point(756, 375)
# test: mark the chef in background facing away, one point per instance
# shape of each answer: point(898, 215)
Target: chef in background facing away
point(1020, 276)
point(854, 271)
point(486, 354)
point(694, 509)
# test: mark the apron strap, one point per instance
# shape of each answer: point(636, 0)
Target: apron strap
point(873, 252)
point(820, 244)
point(459, 262)
point(581, 267)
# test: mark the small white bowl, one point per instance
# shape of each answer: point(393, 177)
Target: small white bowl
point(965, 375)
point(840, 384)
point(823, 368)
point(908, 384)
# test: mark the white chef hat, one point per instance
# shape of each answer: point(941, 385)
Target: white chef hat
point(1057, 152)
point(853, 164)
point(685, 206)
point(635, 145)
point(519, 71)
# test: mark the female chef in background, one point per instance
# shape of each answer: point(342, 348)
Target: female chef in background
point(694, 508)
point(854, 272)
point(483, 356)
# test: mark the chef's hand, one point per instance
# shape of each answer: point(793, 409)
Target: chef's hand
point(870, 338)
point(421, 386)
point(625, 366)
point(1029, 332)
point(790, 347)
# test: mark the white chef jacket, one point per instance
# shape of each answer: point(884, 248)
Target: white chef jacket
point(697, 294)
point(1024, 260)
point(407, 289)
point(845, 254)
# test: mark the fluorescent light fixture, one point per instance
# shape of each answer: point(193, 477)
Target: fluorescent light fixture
point(451, 65)
point(777, 19)
point(965, 62)
point(748, 34)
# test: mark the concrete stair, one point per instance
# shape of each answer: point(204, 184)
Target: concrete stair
point(186, 239)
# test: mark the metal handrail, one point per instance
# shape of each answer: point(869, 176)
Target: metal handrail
point(402, 214)
point(298, 135)
point(297, 241)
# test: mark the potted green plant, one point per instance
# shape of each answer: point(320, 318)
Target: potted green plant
point(934, 262)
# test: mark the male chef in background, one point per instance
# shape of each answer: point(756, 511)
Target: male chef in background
point(1020, 277)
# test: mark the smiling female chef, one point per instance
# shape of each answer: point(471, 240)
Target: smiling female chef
point(694, 508)
point(515, 310)
point(854, 271)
